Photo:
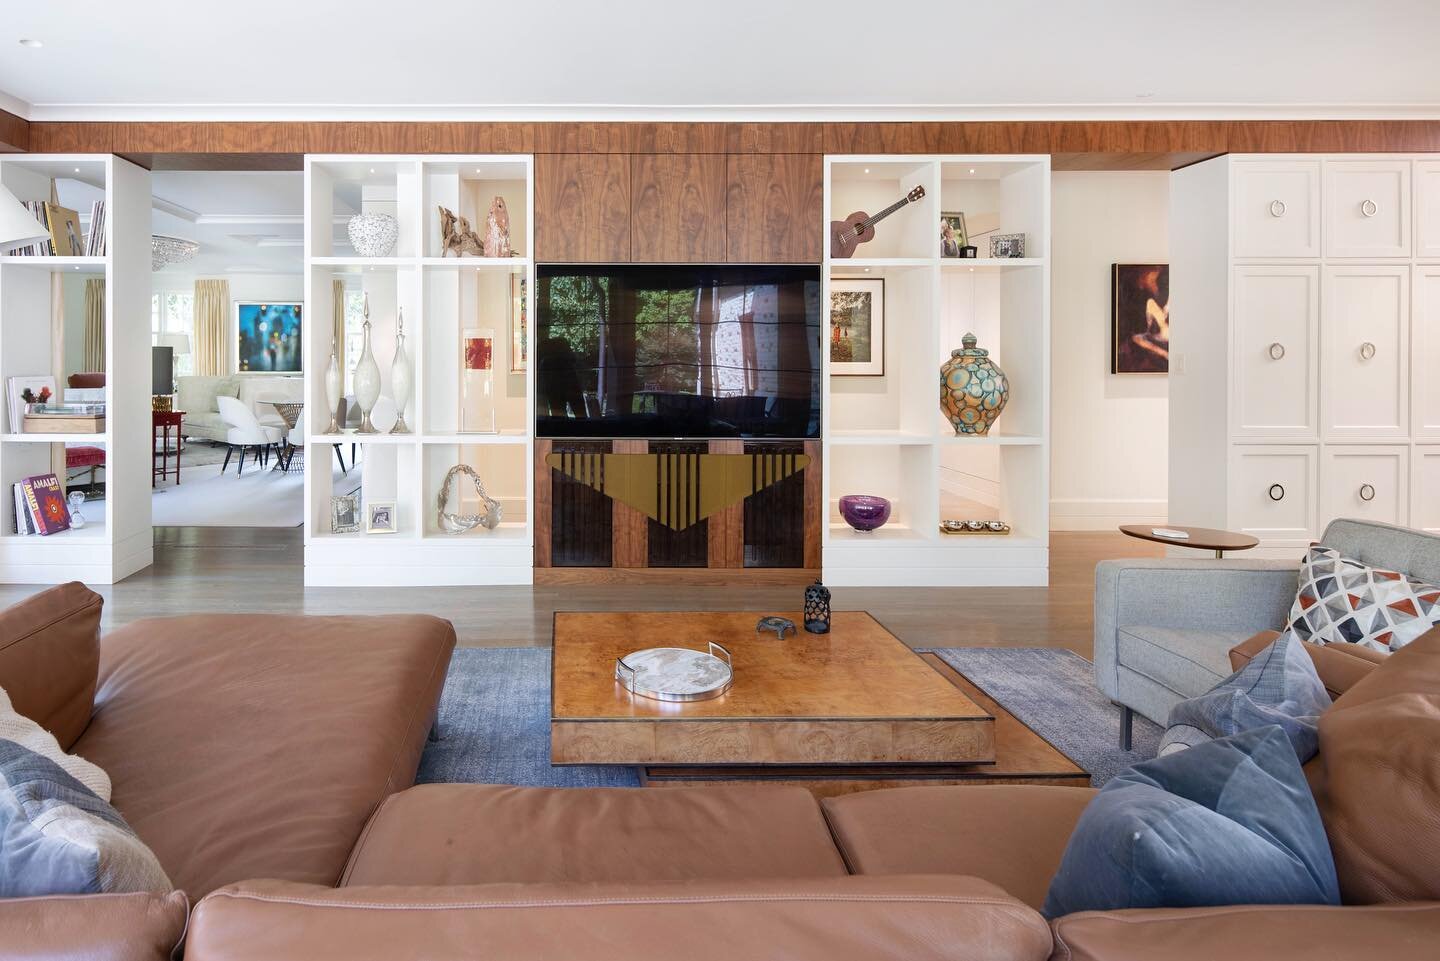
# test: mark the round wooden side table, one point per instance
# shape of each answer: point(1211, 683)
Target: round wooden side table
point(1201, 538)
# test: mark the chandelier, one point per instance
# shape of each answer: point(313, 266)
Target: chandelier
point(170, 250)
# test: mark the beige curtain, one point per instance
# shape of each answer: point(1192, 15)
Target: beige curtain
point(212, 328)
point(94, 355)
point(337, 294)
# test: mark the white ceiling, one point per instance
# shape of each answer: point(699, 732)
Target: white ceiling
point(558, 59)
point(245, 222)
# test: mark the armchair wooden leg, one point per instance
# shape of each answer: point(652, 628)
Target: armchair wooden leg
point(1127, 718)
point(340, 456)
point(241, 468)
point(228, 451)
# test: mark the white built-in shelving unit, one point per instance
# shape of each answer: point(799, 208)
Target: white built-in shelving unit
point(108, 550)
point(439, 296)
point(886, 434)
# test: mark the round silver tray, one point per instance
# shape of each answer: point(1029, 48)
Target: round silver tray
point(676, 673)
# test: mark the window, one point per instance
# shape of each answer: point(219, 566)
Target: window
point(173, 312)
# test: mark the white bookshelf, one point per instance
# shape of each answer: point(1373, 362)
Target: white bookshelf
point(99, 553)
point(886, 435)
point(439, 295)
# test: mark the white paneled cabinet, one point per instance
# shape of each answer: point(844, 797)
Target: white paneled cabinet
point(1316, 331)
point(1366, 322)
point(1367, 205)
point(1277, 329)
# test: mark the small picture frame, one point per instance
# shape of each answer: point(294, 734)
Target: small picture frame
point(857, 327)
point(1007, 246)
point(969, 252)
point(380, 517)
point(953, 236)
point(345, 514)
point(519, 325)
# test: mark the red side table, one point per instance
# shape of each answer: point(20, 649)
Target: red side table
point(161, 421)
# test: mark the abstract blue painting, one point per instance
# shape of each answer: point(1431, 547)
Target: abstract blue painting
point(269, 338)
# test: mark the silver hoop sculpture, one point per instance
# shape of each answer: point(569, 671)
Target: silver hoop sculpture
point(452, 523)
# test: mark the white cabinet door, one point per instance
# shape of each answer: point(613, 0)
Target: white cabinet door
point(1425, 354)
point(1367, 205)
point(1425, 489)
point(1272, 493)
point(1276, 352)
point(1365, 482)
point(1277, 208)
point(1365, 353)
point(1427, 209)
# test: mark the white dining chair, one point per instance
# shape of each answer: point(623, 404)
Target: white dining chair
point(245, 432)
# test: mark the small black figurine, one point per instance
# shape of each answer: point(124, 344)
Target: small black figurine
point(817, 608)
point(780, 625)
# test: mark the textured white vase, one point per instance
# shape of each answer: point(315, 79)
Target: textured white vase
point(400, 377)
point(333, 383)
point(373, 235)
point(367, 379)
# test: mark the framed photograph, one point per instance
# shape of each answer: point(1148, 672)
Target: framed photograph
point(857, 327)
point(519, 326)
point(380, 517)
point(345, 514)
point(267, 337)
point(953, 237)
point(1139, 318)
point(1007, 245)
point(65, 235)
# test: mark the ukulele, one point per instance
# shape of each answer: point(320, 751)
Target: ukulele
point(859, 227)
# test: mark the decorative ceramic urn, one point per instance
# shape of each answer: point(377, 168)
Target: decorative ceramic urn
point(373, 235)
point(400, 376)
point(973, 391)
point(333, 383)
point(367, 379)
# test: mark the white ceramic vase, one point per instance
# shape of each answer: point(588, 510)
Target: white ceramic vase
point(400, 377)
point(373, 235)
point(333, 384)
point(367, 379)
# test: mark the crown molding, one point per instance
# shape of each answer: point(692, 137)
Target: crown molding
point(659, 113)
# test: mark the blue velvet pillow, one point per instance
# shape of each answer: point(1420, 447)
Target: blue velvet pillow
point(1279, 686)
point(1231, 821)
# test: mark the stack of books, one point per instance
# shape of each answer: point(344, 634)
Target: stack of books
point(40, 506)
point(95, 234)
point(41, 248)
point(64, 419)
point(63, 226)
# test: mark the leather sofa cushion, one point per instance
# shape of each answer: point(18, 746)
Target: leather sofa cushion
point(1340, 666)
point(257, 745)
point(94, 927)
point(818, 919)
point(481, 833)
point(1397, 932)
point(1377, 776)
point(50, 657)
point(1010, 835)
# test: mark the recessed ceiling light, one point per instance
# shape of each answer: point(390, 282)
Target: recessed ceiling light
point(867, 170)
point(867, 270)
point(372, 170)
point(30, 42)
point(77, 170)
point(972, 170)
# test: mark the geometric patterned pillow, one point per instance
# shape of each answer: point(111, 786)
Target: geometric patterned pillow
point(1342, 601)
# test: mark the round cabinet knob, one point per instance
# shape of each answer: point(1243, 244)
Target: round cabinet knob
point(1367, 492)
point(1277, 492)
point(1277, 350)
point(1277, 208)
point(1367, 350)
point(1369, 208)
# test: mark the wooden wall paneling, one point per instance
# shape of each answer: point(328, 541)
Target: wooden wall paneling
point(688, 547)
point(582, 208)
point(543, 503)
point(14, 132)
point(773, 208)
point(727, 527)
point(581, 518)
point(677, 208)
point(631, 527)
point(815, 507)
point(774, 525)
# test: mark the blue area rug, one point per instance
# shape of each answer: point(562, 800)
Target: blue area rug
point(495, 715)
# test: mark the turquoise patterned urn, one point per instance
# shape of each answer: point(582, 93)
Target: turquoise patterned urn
point(973, 391)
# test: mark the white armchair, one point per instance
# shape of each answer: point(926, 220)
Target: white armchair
point(245, 432)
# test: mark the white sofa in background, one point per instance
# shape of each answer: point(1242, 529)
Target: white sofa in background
point(196, 397)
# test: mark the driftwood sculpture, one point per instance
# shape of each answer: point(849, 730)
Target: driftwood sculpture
point(464, 241)
point(497, 229)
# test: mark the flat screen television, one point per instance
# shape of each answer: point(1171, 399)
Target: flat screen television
point(677, 351)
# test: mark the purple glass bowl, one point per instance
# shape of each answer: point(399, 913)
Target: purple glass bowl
point(864, 512)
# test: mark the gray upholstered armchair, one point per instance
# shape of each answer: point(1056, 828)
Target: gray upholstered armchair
point(1164, 627)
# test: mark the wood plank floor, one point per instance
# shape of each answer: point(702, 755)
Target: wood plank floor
point(260, 569)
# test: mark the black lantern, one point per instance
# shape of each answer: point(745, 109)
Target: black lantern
point(817, 608)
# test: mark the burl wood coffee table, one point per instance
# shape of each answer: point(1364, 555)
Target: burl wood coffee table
point(850, 710)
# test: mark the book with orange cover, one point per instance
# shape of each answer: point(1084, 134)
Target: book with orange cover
point(45, 500)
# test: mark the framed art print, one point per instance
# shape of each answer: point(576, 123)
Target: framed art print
point(519, 326)
point(345, 514)
point(1139, 318)
point(857, 327)
point(380, 517)
point(267, 337)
